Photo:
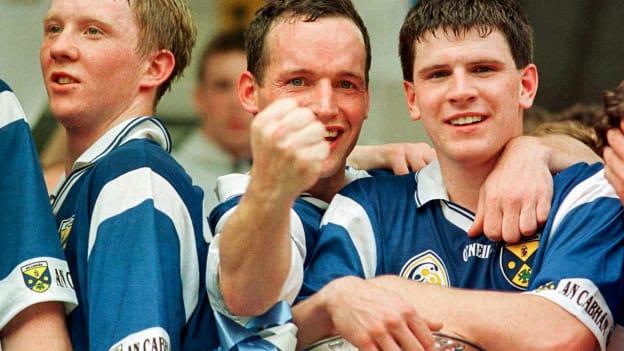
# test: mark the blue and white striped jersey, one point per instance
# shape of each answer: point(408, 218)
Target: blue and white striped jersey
point(407, 226)
point(32, 266)
point(305, 218)
point(136, 240)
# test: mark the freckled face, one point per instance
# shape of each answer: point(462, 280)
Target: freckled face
point(89, 61)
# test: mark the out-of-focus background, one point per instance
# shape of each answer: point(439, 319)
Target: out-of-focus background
point(579, 49)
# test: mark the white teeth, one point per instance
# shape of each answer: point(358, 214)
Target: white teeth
point(466, 120)
point(65, 80)
point(331, 134)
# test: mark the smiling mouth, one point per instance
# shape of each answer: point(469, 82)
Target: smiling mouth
point(466, 120)
point(331, 135)
point(63, 79)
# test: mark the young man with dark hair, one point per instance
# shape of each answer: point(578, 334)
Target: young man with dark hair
point(32, 264)
point(130, 220)
point(469, 76)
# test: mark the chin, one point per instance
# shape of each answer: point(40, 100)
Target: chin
point(331, 168)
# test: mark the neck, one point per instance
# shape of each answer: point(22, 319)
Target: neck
point(463, 181)
point(326, 188)
point(81, 136)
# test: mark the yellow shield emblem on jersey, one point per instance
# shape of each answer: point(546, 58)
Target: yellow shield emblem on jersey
point(516, 262)
point(65, 228)
point(426, 267)
point(37, 276)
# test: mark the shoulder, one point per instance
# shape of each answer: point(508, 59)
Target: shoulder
point(581, 192)
point(141, 170)
point(10, 108)
point(381, 185)
point(582, 183)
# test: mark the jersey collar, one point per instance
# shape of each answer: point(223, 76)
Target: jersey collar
point(430, 187)
point(429, 184)
point(137, 128)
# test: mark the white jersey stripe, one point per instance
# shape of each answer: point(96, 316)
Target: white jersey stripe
point(587, 191)
point(10, 108)
point(115, 199)
point(353, 218)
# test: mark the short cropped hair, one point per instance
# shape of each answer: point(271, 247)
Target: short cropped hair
point(308, 11)
point(165, 25)
point(459, 16)
point(222, 42)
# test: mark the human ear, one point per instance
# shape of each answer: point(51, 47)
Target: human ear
point(160, 66)
point(410, 99)
point(248, 92)
point(528, 86)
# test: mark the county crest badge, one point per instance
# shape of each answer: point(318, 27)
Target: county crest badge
point(64, 230)
point(516, 262)
point(426, 267)
point(37, 276)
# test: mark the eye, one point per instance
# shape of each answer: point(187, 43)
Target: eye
point(438, 74)
point(93, 31)
point(53, 28)
point(296, 82)
point(483, 69)
point(346, 85)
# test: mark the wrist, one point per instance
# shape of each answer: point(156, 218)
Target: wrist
point(269, 193)
point(538, 147)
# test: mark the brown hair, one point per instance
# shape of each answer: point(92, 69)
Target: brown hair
point(222, 42)
point(613, 112)
point(165, 25)
point(459, 16)
point(576, 129)
point(306, 10)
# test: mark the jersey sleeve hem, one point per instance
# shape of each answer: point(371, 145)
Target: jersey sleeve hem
point(581, 298)
point(155, 338)
point(41, 279)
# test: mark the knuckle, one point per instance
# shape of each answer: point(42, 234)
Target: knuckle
point(364, 341)
point(527, 229)
point(392, 322)
point(511, 236)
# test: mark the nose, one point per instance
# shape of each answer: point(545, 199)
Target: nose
point(462, 89)
point(323, 103)
point(63, 47)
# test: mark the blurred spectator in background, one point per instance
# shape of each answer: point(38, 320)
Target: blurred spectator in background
point(221, 144)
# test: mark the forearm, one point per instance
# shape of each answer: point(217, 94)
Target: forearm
point(255, 252)
point(39, 327)
point(497, 320)
point(366, 157)
point(564, 151)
